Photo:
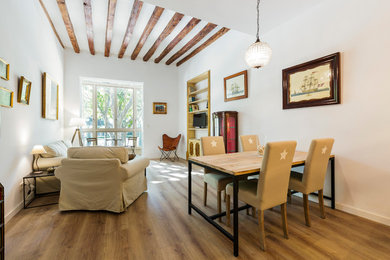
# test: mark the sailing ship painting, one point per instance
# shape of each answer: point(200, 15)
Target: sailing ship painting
point(236, 86)
point(311, 84)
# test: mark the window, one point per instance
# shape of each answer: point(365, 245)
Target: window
point(113, 113)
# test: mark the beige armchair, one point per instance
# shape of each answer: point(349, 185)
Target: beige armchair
point(271, 188)
point(313, 176)
point(213, 145)
point(249, 142)
point(100, 178)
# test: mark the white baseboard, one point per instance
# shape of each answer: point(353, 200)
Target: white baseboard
point(364, 214)
point(13, 212)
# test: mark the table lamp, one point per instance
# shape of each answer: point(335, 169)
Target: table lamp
point(36, 152)
point(78, 123)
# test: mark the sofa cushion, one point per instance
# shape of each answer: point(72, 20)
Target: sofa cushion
point(99, 152)
point(56, 149)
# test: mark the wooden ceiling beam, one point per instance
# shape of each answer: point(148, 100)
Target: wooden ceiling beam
point(190, 25)
point(204, 45)
point(137, 6)
point(148, 29)
point(51, 23)
point(89, 25)
point(206, 30)
point(109, 26)
point(68, 24)
point(168, 29)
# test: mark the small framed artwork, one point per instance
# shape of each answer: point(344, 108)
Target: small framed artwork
point(4, 69)
point(24, 91)
point(6, 97)
point(314, 83)
point(50, 90)
point(159, 108)
point(236, 86)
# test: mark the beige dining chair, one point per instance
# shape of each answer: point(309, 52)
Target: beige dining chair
point(313, 176)
point(213, 145)
point(271, 188)
point(249, 142)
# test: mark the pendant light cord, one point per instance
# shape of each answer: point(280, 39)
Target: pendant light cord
point(258, 20)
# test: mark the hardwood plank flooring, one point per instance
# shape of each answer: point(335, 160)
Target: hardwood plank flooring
point(157, 226)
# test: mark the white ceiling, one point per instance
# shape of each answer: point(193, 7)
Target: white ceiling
point(235, 14)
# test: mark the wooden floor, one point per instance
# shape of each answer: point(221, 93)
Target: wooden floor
point(157, 226)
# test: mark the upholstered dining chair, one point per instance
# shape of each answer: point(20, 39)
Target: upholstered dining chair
point(271, 188)
point(313, 176)
point(249, 142)
point(213, 145)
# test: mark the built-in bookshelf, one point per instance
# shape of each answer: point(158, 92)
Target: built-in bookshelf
point(198, 101)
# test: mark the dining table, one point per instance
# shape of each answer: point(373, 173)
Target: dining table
point(237, 165)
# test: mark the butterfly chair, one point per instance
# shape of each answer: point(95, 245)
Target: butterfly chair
point(271, 188)
point(169, 146)
point(313, 176)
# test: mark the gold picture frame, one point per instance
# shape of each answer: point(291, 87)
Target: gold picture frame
point(50, 91)
point(4, 69)
point(160, 107)
point(24, 91)
point(6, 97)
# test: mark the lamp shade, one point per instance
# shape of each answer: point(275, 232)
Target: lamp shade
point(77, 121)
point(38, 149)
point(258, 54)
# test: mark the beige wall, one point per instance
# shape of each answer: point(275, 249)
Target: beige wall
point(360, 125)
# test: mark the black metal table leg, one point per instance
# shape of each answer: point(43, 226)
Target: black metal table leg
point(24, 195)
point(235, 215)
point(332, 183)
point(189, 187)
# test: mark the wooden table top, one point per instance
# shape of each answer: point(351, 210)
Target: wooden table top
point(241, 163)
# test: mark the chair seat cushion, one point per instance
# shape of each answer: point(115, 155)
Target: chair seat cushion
point(296, 182)
point(217, 181)
point(247, 191)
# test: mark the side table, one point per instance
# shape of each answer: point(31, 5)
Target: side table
point(34, 176)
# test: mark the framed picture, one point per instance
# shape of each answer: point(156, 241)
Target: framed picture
point(49, 98)
point(24, 91)
point(4, 69)
point(236, 86)
point(6, 97)
point(314, 83)
point(159, 108)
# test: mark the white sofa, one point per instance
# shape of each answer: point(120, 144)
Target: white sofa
point(100, 178)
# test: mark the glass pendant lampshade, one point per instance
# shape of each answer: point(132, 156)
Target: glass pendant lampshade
point(258, 54)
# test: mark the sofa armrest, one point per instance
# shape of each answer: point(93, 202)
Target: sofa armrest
point(133, 167)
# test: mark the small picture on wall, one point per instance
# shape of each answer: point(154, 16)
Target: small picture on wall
point(24, 91)
point(4, 69)
point(49, 98)
point(236, 86)
point(6, 97)
point(159, 108)
point(314, 83)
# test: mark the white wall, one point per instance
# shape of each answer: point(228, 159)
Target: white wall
point(160, 85)
point(28, 44)
point(360, 125)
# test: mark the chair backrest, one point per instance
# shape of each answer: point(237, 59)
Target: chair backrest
point(249, 142)
point(212, 145)
point(317, 163)
point(169, 142)
point(275, 173)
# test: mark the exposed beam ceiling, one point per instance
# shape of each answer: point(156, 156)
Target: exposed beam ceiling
point(68, 24)
point(110, 25)
point(137, 6)
point(89, 25)
point(51, 23)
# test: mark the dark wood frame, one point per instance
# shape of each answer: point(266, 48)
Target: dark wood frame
point(245, 73)
point(28, 91)
point(334, 60)
point(160, 103)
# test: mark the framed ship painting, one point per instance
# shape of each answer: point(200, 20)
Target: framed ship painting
point(236, 86)
point(314, 83)
point(49, 98)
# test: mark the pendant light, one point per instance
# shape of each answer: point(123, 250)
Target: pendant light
point(259, 53)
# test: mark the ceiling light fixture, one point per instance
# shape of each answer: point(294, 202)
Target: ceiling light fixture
point(259, 53)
